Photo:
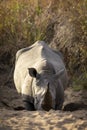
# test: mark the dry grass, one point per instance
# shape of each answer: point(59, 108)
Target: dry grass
point(62, 24)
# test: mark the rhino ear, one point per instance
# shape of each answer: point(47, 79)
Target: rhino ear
point(59, 73)
point(32, 72)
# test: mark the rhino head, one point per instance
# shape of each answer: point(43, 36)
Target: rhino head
point(44, 89)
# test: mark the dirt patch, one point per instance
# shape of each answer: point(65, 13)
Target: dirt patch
point(73, 115)
point(39, 120)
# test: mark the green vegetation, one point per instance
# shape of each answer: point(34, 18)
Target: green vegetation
point(80, 82)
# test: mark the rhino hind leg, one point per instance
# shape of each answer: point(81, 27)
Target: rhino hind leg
point(29, 106)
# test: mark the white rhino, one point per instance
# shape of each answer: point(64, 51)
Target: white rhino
point(40, 76)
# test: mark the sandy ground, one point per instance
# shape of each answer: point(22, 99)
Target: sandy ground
point(40, 120)
point(13, 117)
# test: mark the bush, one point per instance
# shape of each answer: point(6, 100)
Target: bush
point(20, 23)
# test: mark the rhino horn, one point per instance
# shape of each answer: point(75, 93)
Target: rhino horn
point(47, 103)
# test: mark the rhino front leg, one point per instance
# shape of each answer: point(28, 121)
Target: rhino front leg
point(59, 96)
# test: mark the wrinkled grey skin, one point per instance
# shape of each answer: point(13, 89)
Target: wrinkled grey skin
point(40, 76)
